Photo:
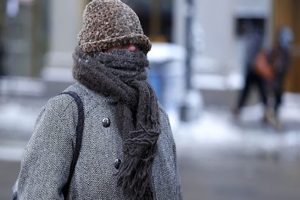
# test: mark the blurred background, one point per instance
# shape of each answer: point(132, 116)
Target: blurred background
point(197, 70)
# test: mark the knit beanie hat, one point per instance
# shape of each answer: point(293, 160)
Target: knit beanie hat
point(108, 23)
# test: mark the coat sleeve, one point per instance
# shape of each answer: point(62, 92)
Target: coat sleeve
point(47, 157)
point(177, 182)
point(178, 193)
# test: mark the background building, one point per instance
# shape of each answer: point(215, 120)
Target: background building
point(40, 36)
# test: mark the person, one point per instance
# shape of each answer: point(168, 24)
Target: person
point(2, 54)
point(254, 44)
point(279, 57)
point(128, 150)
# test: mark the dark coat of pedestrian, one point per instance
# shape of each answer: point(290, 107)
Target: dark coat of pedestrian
point(279, 58)
point(254, 44)
point(2, 53)
point(128, 150)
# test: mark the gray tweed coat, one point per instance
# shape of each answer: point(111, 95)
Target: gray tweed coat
point(48, 154)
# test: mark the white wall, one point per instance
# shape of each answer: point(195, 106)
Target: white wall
point(179, 14)
point(65, 23)
point(253, 7)
point(216, 18)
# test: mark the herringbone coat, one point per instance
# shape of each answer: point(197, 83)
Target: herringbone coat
point(47, 157)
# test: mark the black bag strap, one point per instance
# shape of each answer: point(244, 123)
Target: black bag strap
point(79, 132)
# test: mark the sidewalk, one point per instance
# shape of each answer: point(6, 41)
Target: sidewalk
point(218, 129)
point(221, 158)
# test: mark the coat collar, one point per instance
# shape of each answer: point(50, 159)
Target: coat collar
point(98, 97)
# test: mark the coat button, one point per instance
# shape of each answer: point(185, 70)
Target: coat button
point(117, 163)
point(106, 94)
point(106, 122)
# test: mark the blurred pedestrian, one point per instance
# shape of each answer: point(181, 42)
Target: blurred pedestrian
point(128, 150)
point(2, 55)
point(279, 58)
point(254, 45)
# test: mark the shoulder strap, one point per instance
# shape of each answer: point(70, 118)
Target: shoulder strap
point(79, 132)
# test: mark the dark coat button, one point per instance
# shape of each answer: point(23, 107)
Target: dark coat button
point(106, 94)
point(117, 163)
point(106, 122)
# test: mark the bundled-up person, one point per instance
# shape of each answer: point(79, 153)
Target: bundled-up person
point(279, 58)
point(128, 150)
point(254, 45)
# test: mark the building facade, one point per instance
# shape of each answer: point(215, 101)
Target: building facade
point(44, 33)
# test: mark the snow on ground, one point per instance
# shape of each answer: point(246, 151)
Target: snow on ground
point(218, 129)
point(16, 117)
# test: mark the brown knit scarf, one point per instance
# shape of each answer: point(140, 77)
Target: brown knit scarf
point(122, 74)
